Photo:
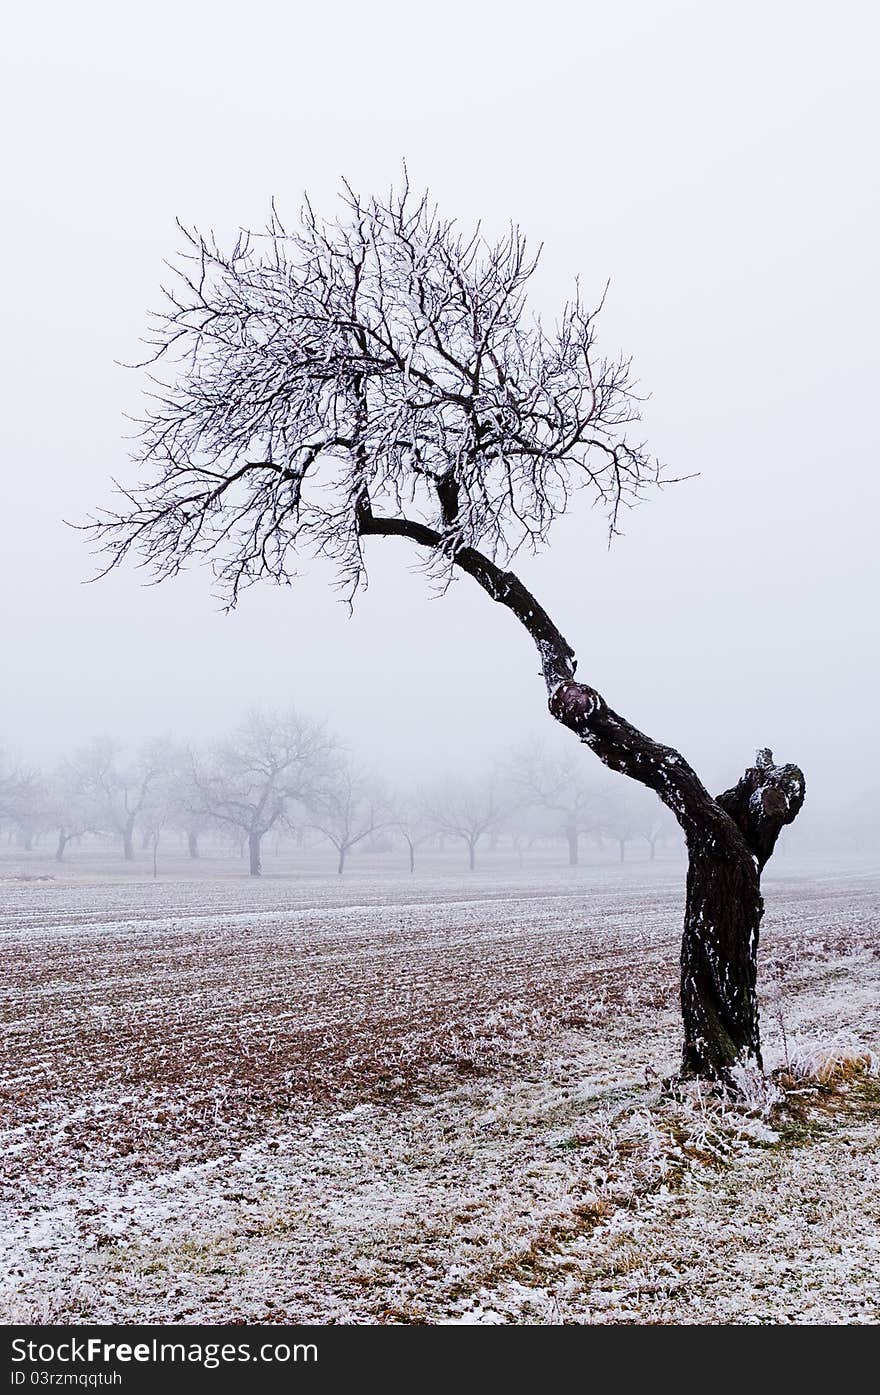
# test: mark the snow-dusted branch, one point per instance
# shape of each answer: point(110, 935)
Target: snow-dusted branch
point(385, 357)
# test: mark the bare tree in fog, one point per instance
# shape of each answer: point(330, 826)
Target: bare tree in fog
point(162, 807)
point(247, 781)
point(185, 802)
point(119, 790)
point(72, 811)
point(413, 822)
point(31, 810)
point(380, 376)
point(9, 780)
point(23, 799)
point(347, 807)
point(559, 785)
point(468, 809)
point(625, 818)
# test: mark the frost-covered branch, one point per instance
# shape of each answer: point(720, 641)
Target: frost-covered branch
point(384, 353)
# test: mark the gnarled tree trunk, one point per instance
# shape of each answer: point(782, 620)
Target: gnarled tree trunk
point(729, 839)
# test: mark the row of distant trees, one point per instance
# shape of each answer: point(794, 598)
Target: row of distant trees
point(283, 773)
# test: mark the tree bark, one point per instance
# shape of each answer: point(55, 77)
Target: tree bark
point(254, 840)
point(729, 839)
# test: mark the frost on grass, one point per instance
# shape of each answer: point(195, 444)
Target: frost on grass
point(427, 1102)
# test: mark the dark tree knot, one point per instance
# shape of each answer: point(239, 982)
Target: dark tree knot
point(575, 705)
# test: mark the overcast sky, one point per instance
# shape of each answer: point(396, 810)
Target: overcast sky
point(717, 162)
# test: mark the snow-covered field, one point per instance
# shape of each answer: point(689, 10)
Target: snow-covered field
point(436, 1098)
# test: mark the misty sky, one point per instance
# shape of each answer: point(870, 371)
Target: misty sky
point(718, 163)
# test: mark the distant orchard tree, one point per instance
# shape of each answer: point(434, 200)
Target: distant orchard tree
point(348, 806)
point(382, 376)
point(72, 810)
point(560, 786)
point(247, 781)
point(412, 821)
point(118, 790)
point(23, 800)
point(619, 817)
point(183, 805)
point(631, 816)
point(468, 809)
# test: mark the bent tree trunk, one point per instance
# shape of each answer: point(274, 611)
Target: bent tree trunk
point(254, 840)
point(729, 839)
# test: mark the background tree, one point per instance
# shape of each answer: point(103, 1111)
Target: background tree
point(72, 810)
point(412, 820)
point(380, 376)
point(559, 785)
point(185, 805)
point(467, 809)
point(247, 781)
point(31, 812)
point(23, 799)
point(624, 818)
point(161, 810)
point(347, 807)
point(119, 790)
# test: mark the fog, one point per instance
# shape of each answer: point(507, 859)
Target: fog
point(717, 165)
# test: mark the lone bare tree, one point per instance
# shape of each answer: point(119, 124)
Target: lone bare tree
point(247, 781)
point(379, 376)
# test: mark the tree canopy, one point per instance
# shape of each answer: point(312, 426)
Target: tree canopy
point(378, 372)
